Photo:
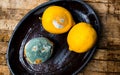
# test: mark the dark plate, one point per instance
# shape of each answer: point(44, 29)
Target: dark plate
point(62, 62)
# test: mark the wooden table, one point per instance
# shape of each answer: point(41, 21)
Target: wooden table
point(106, 60)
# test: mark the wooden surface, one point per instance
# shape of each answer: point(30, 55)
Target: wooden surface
point(106, 61)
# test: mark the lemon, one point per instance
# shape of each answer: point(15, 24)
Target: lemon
point(57, 20)
point(81, 37)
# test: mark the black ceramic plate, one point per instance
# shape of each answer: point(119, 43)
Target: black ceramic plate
point(62, 62)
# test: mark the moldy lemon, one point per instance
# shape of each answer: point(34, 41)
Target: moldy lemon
point(57, 20)
point(81, 37)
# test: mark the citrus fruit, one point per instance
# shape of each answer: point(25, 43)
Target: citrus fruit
point(81, 37)
point(57, 20)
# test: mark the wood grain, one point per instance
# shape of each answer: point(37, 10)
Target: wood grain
point(98, 73)
point(22, 4)
point(2, 59)
point(101, 8)
point(106, 60)
point(4, 70)
point(13, 13)
point(3, 47)
point(8, 24)
point(96, 1)
point(5, 35)
point(107, 55)
point(103, 66)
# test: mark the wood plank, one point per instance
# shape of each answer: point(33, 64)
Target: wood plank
point(4, 4)
point(3, 59)
point(80, 74)
point(113, 31)
point(97, 66)
point(8, 24)
point(113, 1)
point(102, 1)
point(93, 73)
point(101, 8)
point(114, 8)
point(29, 4)
point(110, 32)
point(104, 54)
point(21, 4)
point(97, 1)
point(5, 35)
point(111, 8)
point(12, 14)
point(99, 73)
point(113, 19)
point(4, 70)
point(3, 47)
point(102, 44)
point(103, 66)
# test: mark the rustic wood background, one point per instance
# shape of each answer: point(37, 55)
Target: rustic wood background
point(106, 61)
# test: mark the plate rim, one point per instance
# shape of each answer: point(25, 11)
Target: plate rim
point(37, 8)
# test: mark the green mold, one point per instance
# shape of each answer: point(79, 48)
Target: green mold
point(38, 50)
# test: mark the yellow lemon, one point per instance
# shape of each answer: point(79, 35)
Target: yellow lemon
point(81, 37)
point(57, 20)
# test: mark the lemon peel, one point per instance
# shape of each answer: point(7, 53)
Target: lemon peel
point(81, 37)
point(57, 20)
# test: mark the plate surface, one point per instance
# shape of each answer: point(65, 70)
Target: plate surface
point(62, 62)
